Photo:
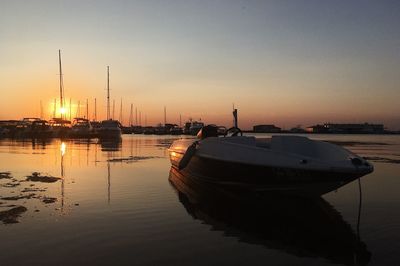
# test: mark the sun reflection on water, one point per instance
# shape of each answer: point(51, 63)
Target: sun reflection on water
point(63, 148)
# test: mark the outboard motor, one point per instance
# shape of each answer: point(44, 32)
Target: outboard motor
point(208, 131)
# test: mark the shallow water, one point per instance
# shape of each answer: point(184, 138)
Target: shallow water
point(118, 203)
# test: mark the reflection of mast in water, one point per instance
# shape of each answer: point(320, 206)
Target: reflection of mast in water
point(108, 181)
point(62, 149)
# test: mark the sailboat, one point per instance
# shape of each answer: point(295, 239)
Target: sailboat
point(60, 125)
point(109, 128)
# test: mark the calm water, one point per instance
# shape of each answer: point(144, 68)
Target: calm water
point(115, 204)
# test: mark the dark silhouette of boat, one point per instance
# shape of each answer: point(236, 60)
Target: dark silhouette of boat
point(82, 128)
point(33, 128)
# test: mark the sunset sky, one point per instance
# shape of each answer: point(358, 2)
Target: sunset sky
point(280, 62)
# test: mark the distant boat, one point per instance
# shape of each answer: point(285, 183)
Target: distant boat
point(81, 128)
point(192, 127)
point(34, 128)
point(61, 127)
point(175, 130)
point(109, 129)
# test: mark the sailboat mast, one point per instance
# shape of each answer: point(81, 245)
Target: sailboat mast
point(136, 121)
point(61, 86)
point(87, 109)
point(165, 115)
point(95, 109)
point(120, 112)
point(131, 116)
point(113, 111)
point(108, 92)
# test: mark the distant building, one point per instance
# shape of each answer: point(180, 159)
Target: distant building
point(266, 129)
point(365, 128)
point(297, 130)
point(356, 128)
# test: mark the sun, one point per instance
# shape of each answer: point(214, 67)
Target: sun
point(63, 110)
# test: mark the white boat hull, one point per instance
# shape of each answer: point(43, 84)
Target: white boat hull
point(241, 166)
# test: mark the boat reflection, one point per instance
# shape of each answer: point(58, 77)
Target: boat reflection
point(303, 227)
point(110, 144)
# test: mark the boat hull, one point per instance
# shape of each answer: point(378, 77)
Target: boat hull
point(262, 179)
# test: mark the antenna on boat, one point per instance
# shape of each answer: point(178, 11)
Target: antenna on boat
point(235, 117)
point(108, 92)
point(180, 120)
point(140, 118)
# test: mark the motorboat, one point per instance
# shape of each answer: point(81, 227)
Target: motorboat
point(110, 129)
point(81, 128)
point(288, 164)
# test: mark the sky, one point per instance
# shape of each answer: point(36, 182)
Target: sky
point(280, 62)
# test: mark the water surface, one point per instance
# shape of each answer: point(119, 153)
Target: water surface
point(118, 203)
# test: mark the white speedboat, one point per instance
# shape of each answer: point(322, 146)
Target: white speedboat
point(291, 164)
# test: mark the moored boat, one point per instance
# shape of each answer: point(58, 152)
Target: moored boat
point(82, 128)
point(109, 129)
point(288, 164)
point(34, 128)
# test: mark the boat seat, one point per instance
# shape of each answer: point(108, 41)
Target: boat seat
point(305, 146)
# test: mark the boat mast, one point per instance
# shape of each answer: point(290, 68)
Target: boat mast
point(113, 113)
point(136, 120)
point(165, 115)
point(87, 109)
point(131, 116)
point(61, 87)
point(120, 112)
point(95, 110)
point(108, 92)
